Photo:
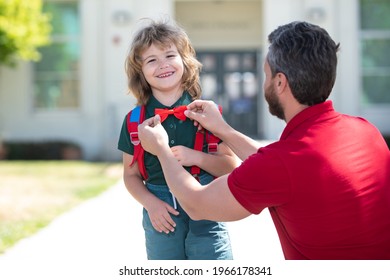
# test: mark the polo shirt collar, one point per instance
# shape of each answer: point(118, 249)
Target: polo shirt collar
point(185, 99)
point(318, 109)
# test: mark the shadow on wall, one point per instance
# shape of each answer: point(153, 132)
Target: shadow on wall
point(52, 150)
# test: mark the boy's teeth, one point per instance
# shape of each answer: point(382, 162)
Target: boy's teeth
point(165, 75)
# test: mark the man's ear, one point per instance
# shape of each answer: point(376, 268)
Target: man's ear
point(280, 81)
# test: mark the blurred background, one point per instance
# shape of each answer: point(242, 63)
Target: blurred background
point(68, 99)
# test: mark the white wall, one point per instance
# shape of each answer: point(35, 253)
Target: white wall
point(14, 101)
point(348, 71)
point(221, 25)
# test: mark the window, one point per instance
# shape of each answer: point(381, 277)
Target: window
point(375, 46)
point(56, 75)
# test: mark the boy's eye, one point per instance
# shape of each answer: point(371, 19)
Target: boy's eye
point(151, 60)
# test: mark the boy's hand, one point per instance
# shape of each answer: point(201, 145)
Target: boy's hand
point(185, 156)
point(159, 214)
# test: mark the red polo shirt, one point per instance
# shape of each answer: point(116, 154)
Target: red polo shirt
point(326, 184)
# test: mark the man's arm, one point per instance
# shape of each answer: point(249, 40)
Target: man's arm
point(212, 202)
point(208, 116)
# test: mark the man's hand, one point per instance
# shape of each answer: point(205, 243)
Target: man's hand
point(207, 115)
point(153, 136)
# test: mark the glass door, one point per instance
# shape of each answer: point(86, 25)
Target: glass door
point(231, 79)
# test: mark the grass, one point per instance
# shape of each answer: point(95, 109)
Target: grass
point(33, 193)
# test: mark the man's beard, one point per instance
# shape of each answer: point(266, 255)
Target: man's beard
point(274, 106)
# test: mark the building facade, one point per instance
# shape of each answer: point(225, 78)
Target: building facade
point(77, 93)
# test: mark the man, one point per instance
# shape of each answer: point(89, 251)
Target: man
point(326, 181)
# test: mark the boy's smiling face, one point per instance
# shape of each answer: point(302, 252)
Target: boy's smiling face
point(163, 69)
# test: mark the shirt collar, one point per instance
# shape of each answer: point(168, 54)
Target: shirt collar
point(185, 99)
point(306, 114)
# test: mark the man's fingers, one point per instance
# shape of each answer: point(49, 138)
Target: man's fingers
point(190, 114)
point(197, 105)
point(148, 122)
point(156, 120)
point(192, 105)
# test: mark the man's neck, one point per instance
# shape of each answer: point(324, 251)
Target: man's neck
point(293, 109)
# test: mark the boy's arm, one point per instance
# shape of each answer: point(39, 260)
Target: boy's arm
point(217, 164)
point(157, 209)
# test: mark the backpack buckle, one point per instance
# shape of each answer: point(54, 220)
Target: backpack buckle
point(212, 148)
point(134, 138)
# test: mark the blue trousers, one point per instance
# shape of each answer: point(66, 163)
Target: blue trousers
point(191, 240)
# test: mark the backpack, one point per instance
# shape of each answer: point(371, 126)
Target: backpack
point(137, 116)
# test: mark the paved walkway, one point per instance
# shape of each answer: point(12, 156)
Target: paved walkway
point(104, 234)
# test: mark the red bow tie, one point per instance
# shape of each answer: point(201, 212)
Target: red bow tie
point(178, 112)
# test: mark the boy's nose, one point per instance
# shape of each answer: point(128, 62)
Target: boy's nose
point(164, 65)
